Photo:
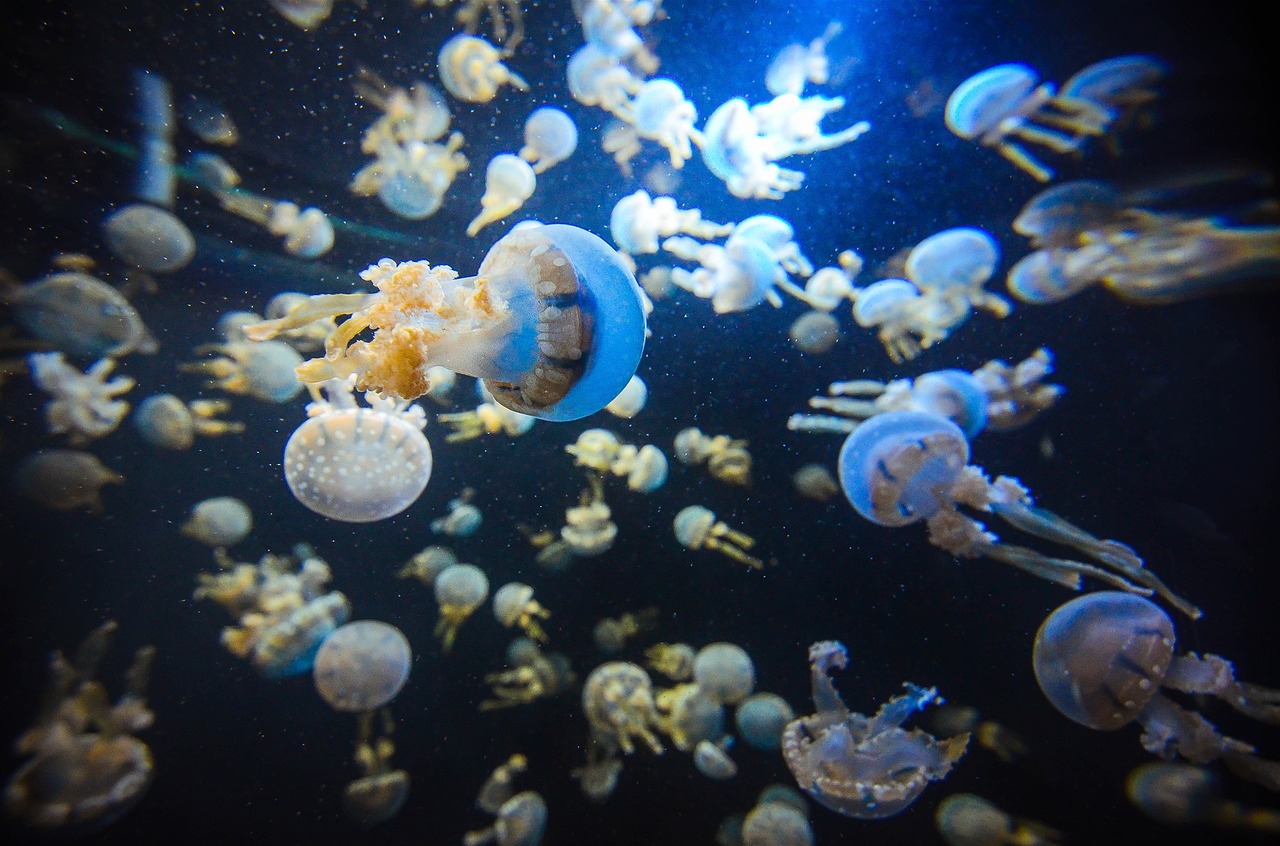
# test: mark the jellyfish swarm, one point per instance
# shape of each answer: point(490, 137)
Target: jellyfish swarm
point(858, 766)
point(362, 665)
point(527, 324)
point(1101, 660)
point(903, 467)
point(355, 464)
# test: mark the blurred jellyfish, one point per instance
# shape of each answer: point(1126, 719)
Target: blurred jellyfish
point(631, 400)
point(696, 527)
point(64, 479)
point(264, 371)
point(713, 761)
point(362, 665)
point(85, 405)
point(463, 518)
point(219, 521)
point(814, 332)
point(471, 69)
point(460, 589)
point(815, 482)
point(167, 422)
point(618, 700)
point(149, 238)
point(81, 315)
point(550, 137)
point(381, 791)
point(760, 719)
point(724, 672)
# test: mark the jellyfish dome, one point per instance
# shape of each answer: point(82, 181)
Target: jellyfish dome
point(953, 258)
point(150, 238)
point(891, 465)
point(362, 665)
point(956, 395)
point(882, 301)
point(986, 98)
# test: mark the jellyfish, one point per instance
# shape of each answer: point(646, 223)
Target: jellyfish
point(858, 766)
point(645, 468)
point(463, 518)
point(508, 182)
point(609, 25)
point(525, 324)
point(307, 233)
point(283, 614)
point(500, 785)
point(673, 660)
point(713, 761)
point(630, 400)
point(760, 719)
point(167, 422)
point(304, 14)
point(1124, 85)
point(1184, 794)
point(726, 458)
point(362, 665)
point(507, 17)
point(827, 287)
point(521, 821)
point(84, 767)
point(953, 265)
point(903, 467)
point(85, 405)
point(964, 819)
point(156, 180)
point(64, 479)
point(1001, 740)
point(788, 125)
point(798, 64)
point(815, 482)
point(598, 778)
point(735, 277)
point(471, 69)
point(661, 113)
point(149, 238)
point(427, 564)
point(1003, 107)
point(611, 634)
point(209, 121)
point(776, 824)
point(597, 78)
point(1101, 660)
point(814, 332)
point(688, 715)
point(82, 316)
point(514, 605)
point(460, 590)
point(550, 137)
point(618, 700)
point(219, 521)
point(231, 325)
point(264, 371)
point(534, 675)
point(410, 177)
point(1057, 216)
point(696, 527)
point(724, 672)
point(357, 464)
point(381, 791)
point(638, 221)
point(595, 449)
point(588, 529)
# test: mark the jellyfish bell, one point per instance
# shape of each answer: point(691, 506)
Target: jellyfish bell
point(956, 395)
point(883, 300)
point(983, 100)
point(362, 665)
point(1057, 215)
point(1112, 80)
point(953, 258)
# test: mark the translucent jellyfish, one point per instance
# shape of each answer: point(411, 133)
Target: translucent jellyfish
point(1101, 660)
point(82, 316)
point(673, 660)
point(534, 675)
point(814, 332)
point(1004, 107)
point(307, 233)
point(828, 287)
point(858, 766)
point(789, 125)
point(760, 719)
point(149, 238)
point(219, 521)
point(264, 371)
point(427, 564)
point(595, 449)
point(304, 14)
point(488, 418)
point(904, 467)
point(357, 464)
point(696, 527)
point(381, 791)
point(738, 276)
point(156, 178)
point(661, 113)
point(508, 183)
point(645, 468)
point(1017, 394)
point(460, 590)
point(500, 785)
point(282, 610)
point(442, 381)
point(1124, 85)
point(656, 282)
point(798, 64)
point(410, 177)
point(209, 121)
point(588, 529)
point(471, 69)
point(611, 634)
point(815, 482)
point(525, 324)
point(598, 777)
point(951, 266)
point(964, 819)
point(416, 113)
point(689, 716)
point(713, 761)
point(362, 665)
point(618, 700)
point(521, 821)
point(84, 767)
point(85, 405)
point(514, 605)
point(64, 479)
point(726, 458)
point(630, 401)
point(638, 221)
point(609, 25)
point(550, 137)
point(212, 171)
point(597, 78)
point(784, 794)
point(231, 324)
point(725, 672)
point(167, 422)
point(776, 824)
point(506, 16)
point(1057, 216)
point(1184, 794)
point(463, 518)
point(1004, 742)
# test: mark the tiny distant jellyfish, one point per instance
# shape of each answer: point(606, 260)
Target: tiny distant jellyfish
point(631, 400)
point(689, 716)
point(725, 672)
point(760, 719)
point(210, 122)
point(521, 821)
point(462, 521)
point(220, 521)
point(471, 69)
point(550, 137)
point(713, 761)
point(508, 182)
point(776, 824)
point(64, 479)
point(460, 590)
point(618, 700)
point(964, 819)
point(381, 791)
point(149, 238)
point(816, 482)
point(514, 605)
point(167, 422)
point(264, 371)
point(815, 332)
point(362, 665)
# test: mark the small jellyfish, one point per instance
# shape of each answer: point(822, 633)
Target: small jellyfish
point(964, 819)
point(521, 821)
point(598, 777)
point(953, 265)
point(85, 405)
point(724, 672)
point(534, 675)
point(776, 824)
point(689, 716)
point(167, 422)
point(618, 700)
point(1004, 742)
point(630, 401)
point(381, 791)
point(209, 121)
point(814, 332)
point(597, 78)
point(588, 529)
point(362, 665)
point(149, 238)
point(82, 316)
point(499, 786)
point(304, 14)
point(713, 761)
point(428, 564)
point(357, 464)
point(830, 286)
point(638, 221)
point(64, 479)
point(526, 324)
point(696, 527)
point(471, 69)
point(595, 449)
point(156, 177)
point(611, 634)
point(550, 137)
point(815, 482)
point(645, 468)
point(760, 719)
point(463, 518)
point(661, 113)
point(1184, 794)
point(514, 605)
point(726, 458)
point(673, 660)
point(858, 766)
point(488, 418)
point(1101, 660)
point(264, 371)
point(798, 64)
point(231, 324)
point(219, 521)
point(508, 183)
point(460, 590)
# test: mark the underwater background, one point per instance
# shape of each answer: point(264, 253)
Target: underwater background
point(1165, 437)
